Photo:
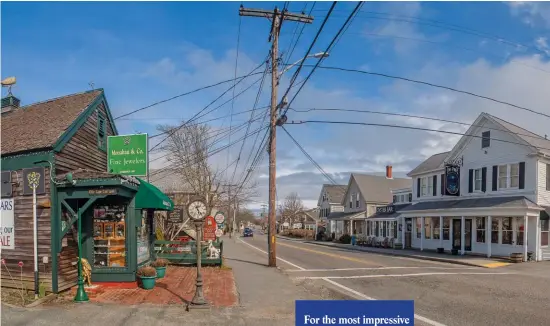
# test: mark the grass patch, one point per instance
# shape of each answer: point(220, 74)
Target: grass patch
point(17, 297)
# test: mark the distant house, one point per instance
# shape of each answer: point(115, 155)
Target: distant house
point(363, 194)
point(330, 200)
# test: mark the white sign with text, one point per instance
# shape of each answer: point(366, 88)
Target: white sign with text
point(7, 232)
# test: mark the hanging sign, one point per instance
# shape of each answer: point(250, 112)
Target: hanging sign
point(34, 178)
point(209, 230)
point(7, 229)
point(452, 180)
point(102, 192)
point(127, 154)
point(175, 216)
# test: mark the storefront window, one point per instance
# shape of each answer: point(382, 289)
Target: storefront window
point(143, 237)
point(427, 228)
point(544, 228)
point(418, 228)
point(435, 222)
point(384, 228)
point(395, 229)
point(494, 230)
point(507, 230)
point(519, 231)
point(446, 228)
point(480, 229)
point(109, 236)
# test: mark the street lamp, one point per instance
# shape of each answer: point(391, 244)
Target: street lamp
point(315, 55)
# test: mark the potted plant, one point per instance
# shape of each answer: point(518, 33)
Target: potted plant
point(147, 275)
point(160, 266)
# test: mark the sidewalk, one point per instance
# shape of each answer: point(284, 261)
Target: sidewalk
point(467, 260)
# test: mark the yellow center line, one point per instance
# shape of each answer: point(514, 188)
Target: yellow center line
point(339, 256)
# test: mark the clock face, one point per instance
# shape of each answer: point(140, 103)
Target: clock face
point(452, 183)
point(197, 210)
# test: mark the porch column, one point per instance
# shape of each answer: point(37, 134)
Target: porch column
point(422, 229)
point(462, 236)
point(488, 230)
point(403, 228)
point(441, 232)
point(537, 239)
point(525, 228)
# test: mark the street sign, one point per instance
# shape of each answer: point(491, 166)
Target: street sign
point(127, 154)
point(219, 217)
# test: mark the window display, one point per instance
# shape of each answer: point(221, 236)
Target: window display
point(143, 251)
point(110, 236)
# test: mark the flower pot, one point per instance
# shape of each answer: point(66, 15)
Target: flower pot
point(147, 282)
point(161, 271)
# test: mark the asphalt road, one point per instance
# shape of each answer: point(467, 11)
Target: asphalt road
point(444, 294)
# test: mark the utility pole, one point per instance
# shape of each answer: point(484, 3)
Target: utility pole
point(277, 18)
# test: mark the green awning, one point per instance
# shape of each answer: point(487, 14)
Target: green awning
point(150, 197)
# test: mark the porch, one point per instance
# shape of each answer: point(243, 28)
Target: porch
point(492, 227)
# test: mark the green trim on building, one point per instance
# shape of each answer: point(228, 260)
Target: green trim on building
point(23, 161)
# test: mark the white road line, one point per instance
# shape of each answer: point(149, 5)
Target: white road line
point(376, 268)
point(359, 294)
point(284, 261)
point(391, 275)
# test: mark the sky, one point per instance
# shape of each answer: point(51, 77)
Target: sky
point(144, 52)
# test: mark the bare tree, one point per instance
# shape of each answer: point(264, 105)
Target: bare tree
point(292, 209)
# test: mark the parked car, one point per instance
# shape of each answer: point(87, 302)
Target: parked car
point(248, 232)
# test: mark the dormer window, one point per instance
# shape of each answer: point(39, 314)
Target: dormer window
point(485, 139)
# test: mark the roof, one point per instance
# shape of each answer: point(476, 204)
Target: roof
point(335, 192)
point(168, 181)
point(526, 135)
point(377, 189)
point(340, 215)
point(433, 162)
point(492, 202)
point(313, 213)
point(84, 174)
point(40, 125)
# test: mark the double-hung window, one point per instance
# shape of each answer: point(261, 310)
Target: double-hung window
point(480, 229)
point(477, 180)
point(508, 176)
point(423, 186)
point(507, 230)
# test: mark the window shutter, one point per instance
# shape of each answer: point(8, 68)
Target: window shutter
point(484, 179)
point(470, 180)
point(495, 177)
point(442, 185)
point(434, 182)
point(521, 175)
point(411, 197)
point(417, 187)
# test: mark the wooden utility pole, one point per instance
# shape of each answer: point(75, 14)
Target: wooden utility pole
point(277, 18)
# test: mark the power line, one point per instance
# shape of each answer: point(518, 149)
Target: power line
point(432, 85)
point(323, 57)
point(418, 117)
point(187, 93)
point(411, 128)
point(297, 72)
point(291, 51)
point(196, 116)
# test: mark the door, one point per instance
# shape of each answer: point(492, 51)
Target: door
point(457, 234)
point(457, 239)
point(408, 232)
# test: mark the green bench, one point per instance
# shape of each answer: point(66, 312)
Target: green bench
point(185, 253)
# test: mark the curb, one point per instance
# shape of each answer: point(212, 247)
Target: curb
point(442, 260)
point(291, 239)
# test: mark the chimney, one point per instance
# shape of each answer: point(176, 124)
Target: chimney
point(10, 103)
point(389, 172)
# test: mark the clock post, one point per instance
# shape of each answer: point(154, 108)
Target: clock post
point(197, 211)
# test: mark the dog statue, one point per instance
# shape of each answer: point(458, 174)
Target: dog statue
point(213, 252)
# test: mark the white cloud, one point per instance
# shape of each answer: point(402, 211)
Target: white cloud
point(532, 13)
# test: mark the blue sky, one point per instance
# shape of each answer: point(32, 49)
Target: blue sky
point(144, 52)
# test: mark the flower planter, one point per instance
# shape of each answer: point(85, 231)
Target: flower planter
point(454, 251)
point(516, 257)
point(147, 282)
point(161, 271)
point(398, 246)
point(440, 250)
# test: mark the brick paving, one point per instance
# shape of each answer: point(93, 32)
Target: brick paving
point(177, 287)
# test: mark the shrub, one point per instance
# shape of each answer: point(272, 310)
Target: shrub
point(346, 238)
point(160, 262)
point(147, 271)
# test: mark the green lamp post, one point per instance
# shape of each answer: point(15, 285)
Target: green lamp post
point(81, 295)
